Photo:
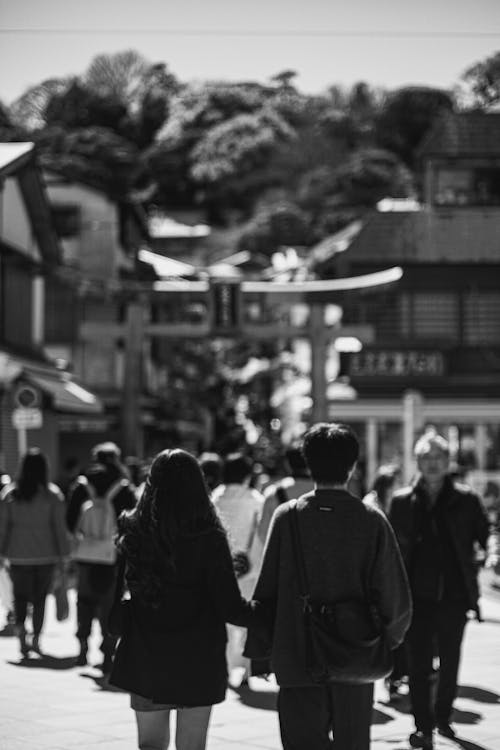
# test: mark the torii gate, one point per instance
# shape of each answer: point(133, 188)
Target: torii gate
point(224, 303)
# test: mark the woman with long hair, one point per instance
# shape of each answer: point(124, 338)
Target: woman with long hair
point(179, 572)
point(33, 538)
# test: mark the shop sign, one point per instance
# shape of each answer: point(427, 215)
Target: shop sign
point(394, 363)
point(75, 424)
point(27, 419)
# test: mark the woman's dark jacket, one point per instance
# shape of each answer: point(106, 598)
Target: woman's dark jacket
point(175, 653)
point(349, 549)
point(464, 522)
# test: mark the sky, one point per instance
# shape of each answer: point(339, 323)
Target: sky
point(387, 43)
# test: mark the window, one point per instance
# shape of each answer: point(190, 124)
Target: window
point(479, 186)
point(435, 316)
point(482, 318)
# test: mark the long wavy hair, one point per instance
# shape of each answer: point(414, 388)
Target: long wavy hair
point(175, 504)
point(33, 474)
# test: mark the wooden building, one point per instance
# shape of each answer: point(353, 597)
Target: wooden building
point(37, 398)
point(436, 335)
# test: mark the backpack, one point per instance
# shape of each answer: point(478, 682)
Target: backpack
point(96, 527)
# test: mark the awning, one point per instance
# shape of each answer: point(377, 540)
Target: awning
point(166, 267)
point(66, 395)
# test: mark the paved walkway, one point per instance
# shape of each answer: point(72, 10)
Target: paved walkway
point(48, 703)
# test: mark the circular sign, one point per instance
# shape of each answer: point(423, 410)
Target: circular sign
point(26, 397)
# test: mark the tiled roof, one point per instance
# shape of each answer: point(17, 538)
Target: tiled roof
point(464, 134)
point(428, 237)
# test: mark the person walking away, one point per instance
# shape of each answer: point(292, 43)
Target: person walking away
point(33, 538)
point(183, 590)
point(93, 509)
point(211, 466)
point(240, 509)
point(437, 522)
point(349, 549)
point(387, 480)
point(296, 483)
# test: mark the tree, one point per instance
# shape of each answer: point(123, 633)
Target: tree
point(78, 106)
point(482, 83)
point(406, 117)
point(280, 225)
point(8, 130)
point(142, 88)
point(93, 155)
point(369, 175)
point(28, 112)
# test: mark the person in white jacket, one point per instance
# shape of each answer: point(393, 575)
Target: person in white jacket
point(240, 509)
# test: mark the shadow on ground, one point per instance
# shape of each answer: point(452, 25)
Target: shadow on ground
point(474, 693)
point(45, 661)
point(380, 717)
point(265, 699)
point(468, 745)
point(102, 682)
point(465, 717)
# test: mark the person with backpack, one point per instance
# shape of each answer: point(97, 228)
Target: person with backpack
point(94, 505)
point(296, 483)
point(239, 507)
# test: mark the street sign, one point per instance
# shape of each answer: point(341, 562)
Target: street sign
point(27, 419)
point(27, 397)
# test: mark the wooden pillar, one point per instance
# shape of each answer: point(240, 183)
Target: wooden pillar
point(412, 421)
point(317, 336)
point(132, 382)
point(481, 439)
point(371, 450)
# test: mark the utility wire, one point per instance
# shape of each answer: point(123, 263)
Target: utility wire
point(327, 33)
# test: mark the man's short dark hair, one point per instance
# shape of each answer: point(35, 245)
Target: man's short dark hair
point(331, 450)
point(237, 468)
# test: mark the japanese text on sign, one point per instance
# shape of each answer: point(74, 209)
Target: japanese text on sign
point(392, 363)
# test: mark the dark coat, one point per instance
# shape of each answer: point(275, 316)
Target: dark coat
point(348, 548)
point(176, 653)
point(466, 523)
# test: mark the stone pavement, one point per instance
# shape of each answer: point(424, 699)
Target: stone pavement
point(49, 703)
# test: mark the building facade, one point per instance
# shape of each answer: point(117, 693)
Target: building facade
point(37, 398)
point(435, 352)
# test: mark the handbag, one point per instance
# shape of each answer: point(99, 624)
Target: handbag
point(60, 592)
point(119, 613)
point(344, 639)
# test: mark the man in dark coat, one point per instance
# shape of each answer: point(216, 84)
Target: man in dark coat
point(349, 549)
point(437, 522)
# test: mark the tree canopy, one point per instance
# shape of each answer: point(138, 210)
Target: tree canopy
point(127, 123)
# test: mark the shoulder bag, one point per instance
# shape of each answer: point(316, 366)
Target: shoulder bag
point(344, 639)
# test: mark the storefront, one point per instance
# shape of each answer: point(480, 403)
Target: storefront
point(44, 407)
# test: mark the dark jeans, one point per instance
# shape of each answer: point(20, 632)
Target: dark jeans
point(434, 625)
point(308, 715)
point(96, 588)
point(31, 584)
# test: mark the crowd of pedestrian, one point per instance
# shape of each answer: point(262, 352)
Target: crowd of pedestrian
point(216, 573)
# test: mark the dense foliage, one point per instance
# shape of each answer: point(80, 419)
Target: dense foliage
point(289, 167)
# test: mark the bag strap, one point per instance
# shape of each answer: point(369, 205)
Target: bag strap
point(115, 488)
point(299, 556)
